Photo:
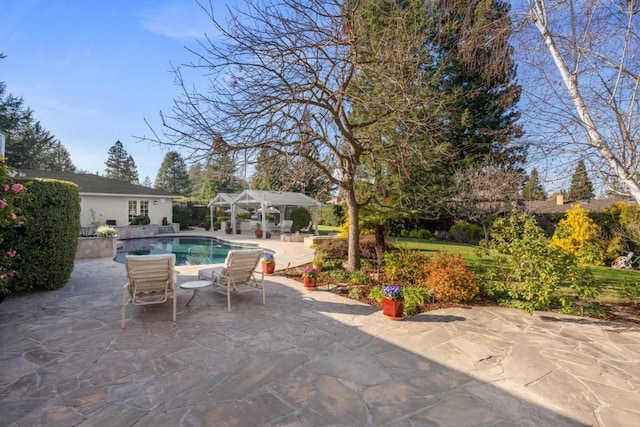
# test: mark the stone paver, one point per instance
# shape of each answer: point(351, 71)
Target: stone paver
point(303, 359)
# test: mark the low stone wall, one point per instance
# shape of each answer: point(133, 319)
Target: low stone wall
point(96, 247)
point(316, 240)
point(141, 231)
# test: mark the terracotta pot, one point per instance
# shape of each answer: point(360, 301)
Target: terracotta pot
point(310, 283)
point(268, 267)
point(258, 234)
point(393, 308)
point(228, 230)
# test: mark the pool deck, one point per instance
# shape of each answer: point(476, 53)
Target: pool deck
point(304, 359)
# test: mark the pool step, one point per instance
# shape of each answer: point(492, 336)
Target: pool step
point(165, 229)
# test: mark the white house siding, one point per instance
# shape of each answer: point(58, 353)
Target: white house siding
point(115, 207)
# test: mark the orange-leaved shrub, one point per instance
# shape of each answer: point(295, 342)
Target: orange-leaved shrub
point(451, 279)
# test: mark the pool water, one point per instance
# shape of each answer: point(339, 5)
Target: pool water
point(188, 250)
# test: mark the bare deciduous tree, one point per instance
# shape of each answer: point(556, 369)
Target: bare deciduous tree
point(485, 191)
point(282, 76)
point(586, 100)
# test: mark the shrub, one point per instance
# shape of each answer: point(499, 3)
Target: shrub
point(48, 241)
point(407, 267)
point(413, 234)
point(338, 248)
point(9, 219)
point(464, 232)
point(182, 216)
point(577, 234)
point(404, 233)
point(424, 235)
point(300, 217)
point(532, 270)
point(140, 220)
point(106, 231)
point(451, 279)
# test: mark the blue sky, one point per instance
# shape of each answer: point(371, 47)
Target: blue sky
point(92, 71)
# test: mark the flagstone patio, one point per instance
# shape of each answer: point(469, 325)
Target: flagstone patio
point(303, 359)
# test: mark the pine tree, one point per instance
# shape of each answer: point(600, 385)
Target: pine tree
point(581, 186)
point(147, 182)
point(130, 171)
point(172, 175)
point(120, 164)
point(532, 189)
point(116, 161)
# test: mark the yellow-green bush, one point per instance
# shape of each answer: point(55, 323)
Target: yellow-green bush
point(406, 267)
point(451, 279)
point(578, 235)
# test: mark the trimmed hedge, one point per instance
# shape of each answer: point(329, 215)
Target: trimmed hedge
point(47, 243)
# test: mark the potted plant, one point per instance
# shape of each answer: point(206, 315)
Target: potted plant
point(318, 262)
point(310, 277)
point(393, 302)
point(258, 231)
point(268, 263)
point(206, 223)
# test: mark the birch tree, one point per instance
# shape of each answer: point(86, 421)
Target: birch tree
point(589, 98)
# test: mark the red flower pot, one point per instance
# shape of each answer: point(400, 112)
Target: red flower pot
point(310, 283)
point(268, 267)
point(393, 308)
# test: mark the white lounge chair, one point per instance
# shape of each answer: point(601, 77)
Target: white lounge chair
point(237, 274)
point(151, 280)
point(286, 226)
point(307, 229)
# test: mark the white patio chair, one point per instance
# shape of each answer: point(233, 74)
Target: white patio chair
point(237, 274)
point(307, 229)
point(151, 280)
point(286, 226)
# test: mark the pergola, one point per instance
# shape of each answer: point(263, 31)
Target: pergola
point(264, 200)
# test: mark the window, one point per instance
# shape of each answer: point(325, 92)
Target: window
point(133, 209)
point(144, 207)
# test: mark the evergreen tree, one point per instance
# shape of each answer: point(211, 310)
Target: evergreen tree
point(471, 40)
point(532, 189)
point(581, 186)
point(147, 182)
point(173, 176)
point(120, 165)
point(131, 171)
point(28, 144)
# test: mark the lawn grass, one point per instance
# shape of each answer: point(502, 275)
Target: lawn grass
point(608, 280)
point(324, 230)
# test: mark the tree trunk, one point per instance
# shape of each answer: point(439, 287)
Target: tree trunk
point(379, 243)
point(353, 261)
point(539, 18)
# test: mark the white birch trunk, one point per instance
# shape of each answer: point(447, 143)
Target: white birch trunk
point(538, 14)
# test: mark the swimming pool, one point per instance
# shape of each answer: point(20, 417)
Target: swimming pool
point(188, 250)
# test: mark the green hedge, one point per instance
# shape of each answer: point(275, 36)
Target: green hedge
point(300, 217)
point(47, 243)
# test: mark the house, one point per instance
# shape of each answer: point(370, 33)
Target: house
point(559, 205)
point(110, 201)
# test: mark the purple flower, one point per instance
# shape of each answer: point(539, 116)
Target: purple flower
point(268, 258)
point(392, 291)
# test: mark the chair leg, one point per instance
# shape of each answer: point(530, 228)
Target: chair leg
point(124, 308)
point(175, 305)
point(229, 295)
